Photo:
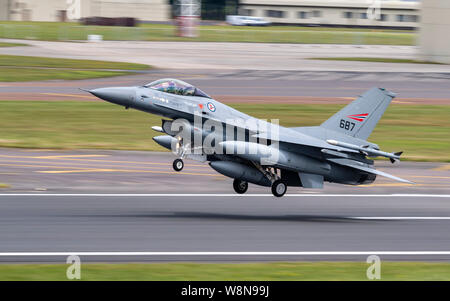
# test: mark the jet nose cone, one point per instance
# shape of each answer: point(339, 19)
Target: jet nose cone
point(119, 95)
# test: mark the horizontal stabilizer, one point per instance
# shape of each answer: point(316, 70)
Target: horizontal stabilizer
point(368, 169)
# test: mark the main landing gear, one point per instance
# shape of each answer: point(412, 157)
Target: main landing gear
point(279, 187)
point(178, 164)
point(240, 186)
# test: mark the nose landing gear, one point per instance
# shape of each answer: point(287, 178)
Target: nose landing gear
point(178, 164)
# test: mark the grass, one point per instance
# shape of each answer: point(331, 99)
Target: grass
point(374, 60)
point(421, 131)
point(29, 68)
point(37, 74)
point(54, 31)
point(46, 62)
point(3, 185)
point(11, 44)
point(292, 271)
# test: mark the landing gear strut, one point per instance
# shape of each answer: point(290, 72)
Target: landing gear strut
point(240, 186)
point(178, 164)
point(279, 188)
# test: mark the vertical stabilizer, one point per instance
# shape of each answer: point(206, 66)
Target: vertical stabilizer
point(359, 118)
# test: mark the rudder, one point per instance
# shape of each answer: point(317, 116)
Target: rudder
point(359, 118)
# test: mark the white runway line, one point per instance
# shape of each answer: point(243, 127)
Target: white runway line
point(438, 218)
point(219, 195)
point(302, 253)
point(401, 217)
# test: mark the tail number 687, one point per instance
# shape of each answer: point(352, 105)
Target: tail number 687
point(347, 125)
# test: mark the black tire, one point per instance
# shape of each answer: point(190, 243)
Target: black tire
point(279, 188)
point(240, 186)
point(178, 164)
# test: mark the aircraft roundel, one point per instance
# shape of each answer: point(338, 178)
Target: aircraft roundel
point(211, 107)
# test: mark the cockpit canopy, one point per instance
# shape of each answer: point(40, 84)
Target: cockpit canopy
point(176, 86)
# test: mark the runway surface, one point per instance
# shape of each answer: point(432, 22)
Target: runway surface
point(255, 86)
point(245, 72)
point(120, 201)
point(230, 56)
point(80, 202)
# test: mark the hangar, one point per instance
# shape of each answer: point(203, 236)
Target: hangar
point(60, 10)
point(352, 13)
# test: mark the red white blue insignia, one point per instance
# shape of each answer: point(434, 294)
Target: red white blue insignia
point(358, 117)
point(211, 107)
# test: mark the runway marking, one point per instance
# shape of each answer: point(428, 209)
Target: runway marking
point(81, 169)
point(442, 168)
point(300, 253)
point(400, 217)
point(131, 171)
point(219, 195)
point(400, 185)
point(432, 177)
point(107, 161)
point(75, 171)
point(69, 95)
point(42, 166)
point(76, 165)
point(67, 156)
point(388, 185)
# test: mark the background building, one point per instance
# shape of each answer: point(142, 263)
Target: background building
point(399, 14)
point(4, 9)
point(435, 27)
point(57, 10)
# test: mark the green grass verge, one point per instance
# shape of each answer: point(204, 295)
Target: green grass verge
point(11, 44)
point(37, 74)
point(374, 60)
point(54, 31)
point(46, 62)
point(292, 271)
point(421, 131)
point(29, 68)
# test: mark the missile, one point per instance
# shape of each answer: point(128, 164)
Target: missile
point(165, 141)
point(158, 129)
point(367, 151)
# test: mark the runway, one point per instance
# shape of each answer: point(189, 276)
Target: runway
point(131, 206)
point(132, 203)
point(245, 72)
point(275, 86)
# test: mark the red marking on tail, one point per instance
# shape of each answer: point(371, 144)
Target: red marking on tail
point(358, 117)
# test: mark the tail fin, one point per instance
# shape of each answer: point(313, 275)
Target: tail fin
point(359, 118)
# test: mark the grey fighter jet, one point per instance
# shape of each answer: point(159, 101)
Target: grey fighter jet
point(336, 151)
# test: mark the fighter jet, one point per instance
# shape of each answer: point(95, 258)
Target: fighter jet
point(336, 151)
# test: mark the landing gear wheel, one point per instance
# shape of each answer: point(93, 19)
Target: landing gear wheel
point(178, 164)
point(240, 186)
point(279, 188)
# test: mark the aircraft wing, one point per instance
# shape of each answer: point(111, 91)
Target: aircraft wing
point(363, 167)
